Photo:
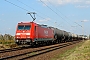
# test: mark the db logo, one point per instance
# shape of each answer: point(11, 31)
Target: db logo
point(46, 32)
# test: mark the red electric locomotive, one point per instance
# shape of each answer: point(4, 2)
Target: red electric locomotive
point(30, 32)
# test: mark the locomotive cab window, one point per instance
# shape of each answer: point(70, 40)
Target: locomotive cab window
point(27, 27)
point(24, 27)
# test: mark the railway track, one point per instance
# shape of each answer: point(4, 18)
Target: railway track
point(36, 52)
point(14, 49)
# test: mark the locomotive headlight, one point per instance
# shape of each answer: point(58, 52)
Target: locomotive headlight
point(16, 40)
point(17, 33)
point(17, 37)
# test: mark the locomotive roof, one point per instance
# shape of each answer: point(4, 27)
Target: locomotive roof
point(26, 23)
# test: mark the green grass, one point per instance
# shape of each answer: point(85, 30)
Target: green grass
point(33, 53)
point(7, 41)
point(80, 52)
point(7, 44)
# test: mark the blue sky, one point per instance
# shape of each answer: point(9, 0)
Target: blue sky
point(68, 15)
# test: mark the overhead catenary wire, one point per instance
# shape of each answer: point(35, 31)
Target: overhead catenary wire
point(33, 9)
point(16, 5)
point(26, 9)
point(37, 11)
point(59, 15)
point(63, 14)
point(22, 8)
point(54, 12)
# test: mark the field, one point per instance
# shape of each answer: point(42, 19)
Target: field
point(6, 44)
point(81, 52)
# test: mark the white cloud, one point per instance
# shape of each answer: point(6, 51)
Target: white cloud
point(84, 20)
point(87, 2)
point(63, 2)
point(45, 20)
point(82, 6)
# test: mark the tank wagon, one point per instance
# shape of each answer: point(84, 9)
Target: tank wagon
point(61, 35)
point(33, 33)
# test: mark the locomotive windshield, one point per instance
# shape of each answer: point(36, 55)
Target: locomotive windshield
point(24, 27)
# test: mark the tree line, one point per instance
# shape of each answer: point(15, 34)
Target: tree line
point(6, 37)
point(10, 37)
